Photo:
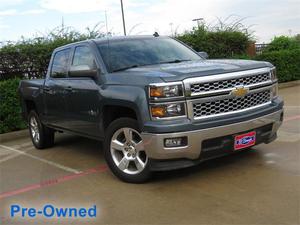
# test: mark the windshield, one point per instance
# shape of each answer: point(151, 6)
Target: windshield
point(128, 53)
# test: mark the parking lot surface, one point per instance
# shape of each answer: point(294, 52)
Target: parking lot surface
point(257, 186)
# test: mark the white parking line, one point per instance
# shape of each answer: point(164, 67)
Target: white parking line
point(23, 145)
point(11, 156)
point(42, 160)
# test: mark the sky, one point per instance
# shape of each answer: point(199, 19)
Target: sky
point(267, 18)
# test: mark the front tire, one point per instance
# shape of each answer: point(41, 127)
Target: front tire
point(41, 136)
point(124, 151)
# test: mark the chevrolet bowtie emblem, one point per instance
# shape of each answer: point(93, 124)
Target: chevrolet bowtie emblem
point(239, 91)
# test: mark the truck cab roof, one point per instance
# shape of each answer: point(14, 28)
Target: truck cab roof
point(109, 39)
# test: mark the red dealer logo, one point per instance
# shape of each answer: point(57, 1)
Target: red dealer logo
point(244, 140)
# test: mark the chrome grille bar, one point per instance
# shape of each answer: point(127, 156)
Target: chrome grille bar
point(229, 105)
point(224, 83)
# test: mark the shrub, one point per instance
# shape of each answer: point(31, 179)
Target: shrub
point(297, 38)
point(218, 44)
point(10, 110)
point(29, 58)
point(283, 43)
point(223, 40)
point(287, 63)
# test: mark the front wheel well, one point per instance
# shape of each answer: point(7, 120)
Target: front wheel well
point(30, 105)
point(111, 113)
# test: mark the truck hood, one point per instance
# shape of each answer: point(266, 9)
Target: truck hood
point(180, 71)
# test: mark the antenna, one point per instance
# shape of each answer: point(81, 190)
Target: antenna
point(156, 34)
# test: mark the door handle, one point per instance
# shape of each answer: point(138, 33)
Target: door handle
point(46, 89)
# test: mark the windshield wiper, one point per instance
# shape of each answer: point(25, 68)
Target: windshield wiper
point(175, 61)
point(135, 65)
point(125, 68)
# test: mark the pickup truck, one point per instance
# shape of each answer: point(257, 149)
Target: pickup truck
point(155, 103)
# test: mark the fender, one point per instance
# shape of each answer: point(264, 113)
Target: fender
point(132, 97)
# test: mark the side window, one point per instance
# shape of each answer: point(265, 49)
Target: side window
point(60, 64)
point(83, 56)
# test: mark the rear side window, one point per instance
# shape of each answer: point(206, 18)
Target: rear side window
point(83, 57)
point(60, 64)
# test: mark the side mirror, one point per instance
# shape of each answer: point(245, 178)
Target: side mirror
point(203, 55)
point(82, 71)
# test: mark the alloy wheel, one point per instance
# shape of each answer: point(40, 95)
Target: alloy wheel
point(127, 150)
point(34, 129)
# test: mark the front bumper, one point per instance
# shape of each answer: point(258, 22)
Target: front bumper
point(154, 143)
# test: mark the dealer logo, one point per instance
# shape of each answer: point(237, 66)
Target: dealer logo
point(245, 140)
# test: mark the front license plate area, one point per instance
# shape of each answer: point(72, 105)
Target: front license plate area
point(244, 140)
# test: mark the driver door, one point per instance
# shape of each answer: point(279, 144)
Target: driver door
point(83, 95)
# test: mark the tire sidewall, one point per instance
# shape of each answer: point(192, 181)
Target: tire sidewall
point(113, 127)
point(46, 134)
point(38, 144)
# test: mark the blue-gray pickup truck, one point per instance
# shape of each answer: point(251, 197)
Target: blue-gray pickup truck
point(154, 102)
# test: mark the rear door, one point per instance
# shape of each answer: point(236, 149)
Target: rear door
point(55, 89)
point(83, 97)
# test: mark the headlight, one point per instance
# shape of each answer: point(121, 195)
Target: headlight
point(167, 110)
point(273, 74)
point(157, 91)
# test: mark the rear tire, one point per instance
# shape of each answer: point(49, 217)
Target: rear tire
point(41, 136)
point(124, 151)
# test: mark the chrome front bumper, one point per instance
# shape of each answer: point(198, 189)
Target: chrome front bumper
point(154, 143)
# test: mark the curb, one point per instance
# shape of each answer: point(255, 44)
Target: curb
point(289, 84)
point(14, 135)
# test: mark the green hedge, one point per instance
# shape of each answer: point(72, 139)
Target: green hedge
point(283, 43)
point(218, 44)
point(287, 63)
point(29, 58)
point(10, 110)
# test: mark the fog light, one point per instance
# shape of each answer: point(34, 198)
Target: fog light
point(175, 142)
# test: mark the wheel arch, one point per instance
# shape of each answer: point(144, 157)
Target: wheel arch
point(28, 105)
point(111, 112)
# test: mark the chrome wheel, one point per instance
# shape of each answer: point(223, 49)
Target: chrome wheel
point(127, 150)
point(34, 127)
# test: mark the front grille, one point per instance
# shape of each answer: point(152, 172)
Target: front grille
point(224, 84)
point(229, 105)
